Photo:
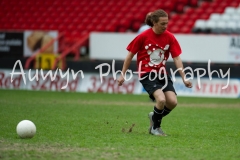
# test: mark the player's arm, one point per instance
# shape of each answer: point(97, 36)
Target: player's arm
point(126, 65)
point(179, 65)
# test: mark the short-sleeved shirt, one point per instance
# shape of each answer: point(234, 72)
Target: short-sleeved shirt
point(153, 50)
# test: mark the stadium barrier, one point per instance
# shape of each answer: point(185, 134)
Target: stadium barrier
point(195, 48)
point(71, 81)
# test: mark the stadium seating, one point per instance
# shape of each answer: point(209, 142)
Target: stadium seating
point(75, 18)
point(224, 19)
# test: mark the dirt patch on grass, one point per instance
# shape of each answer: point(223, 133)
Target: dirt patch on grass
point(53, 151)
point(126, 103)
point(38, 148)
point(210, 105)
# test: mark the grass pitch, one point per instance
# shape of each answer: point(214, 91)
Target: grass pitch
point(114, 126)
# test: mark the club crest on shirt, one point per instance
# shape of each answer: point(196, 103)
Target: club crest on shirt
point(156, 54)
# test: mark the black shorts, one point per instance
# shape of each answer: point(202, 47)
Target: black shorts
point(151, 84)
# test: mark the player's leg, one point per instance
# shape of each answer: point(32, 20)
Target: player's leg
point(160, 99)
point(158, 108)
point(171, 97)
point(156, 116)
point(171, 102)
point(153, 87)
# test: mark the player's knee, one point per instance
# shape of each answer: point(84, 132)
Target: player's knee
point(161, 101)
point(173, 103)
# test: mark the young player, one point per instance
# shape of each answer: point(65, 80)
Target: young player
point(153, 48)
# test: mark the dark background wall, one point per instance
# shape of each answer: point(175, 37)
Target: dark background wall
point(88, 66)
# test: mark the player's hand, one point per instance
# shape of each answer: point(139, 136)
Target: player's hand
point(120, 80)
point(187, 84)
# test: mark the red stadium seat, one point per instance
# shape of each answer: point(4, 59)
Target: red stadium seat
point(193, 3)
point(136, 25)
point(169, 5)
point(123, 15)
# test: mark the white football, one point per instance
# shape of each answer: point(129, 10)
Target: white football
point(26, 129)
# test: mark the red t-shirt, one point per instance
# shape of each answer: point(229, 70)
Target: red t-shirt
point(153, 49)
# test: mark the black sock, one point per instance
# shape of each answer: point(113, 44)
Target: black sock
point(157, 117)
point(166, 111)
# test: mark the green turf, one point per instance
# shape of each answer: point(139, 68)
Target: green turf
point(98, 126)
